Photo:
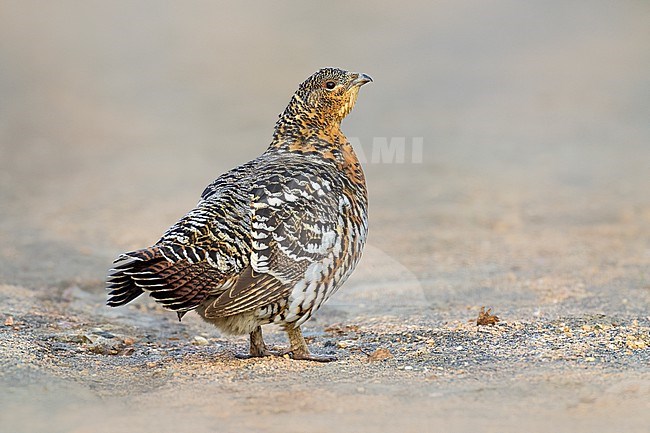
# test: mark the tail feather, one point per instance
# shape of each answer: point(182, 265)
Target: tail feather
point(122, 288)
point(178, 285)
point(185, 297)
point(182, 273)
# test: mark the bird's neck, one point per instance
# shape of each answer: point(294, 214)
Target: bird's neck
point(293, 136)
point(302, 131)
point(301, 128)
point(328, 144)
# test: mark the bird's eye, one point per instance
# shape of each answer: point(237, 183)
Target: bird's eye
point(329, 85)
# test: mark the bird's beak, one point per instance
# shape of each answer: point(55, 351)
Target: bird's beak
point(360, 80)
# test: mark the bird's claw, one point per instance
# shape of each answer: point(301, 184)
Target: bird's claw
point(307, 356)
point(293, 354)
point(263, 353)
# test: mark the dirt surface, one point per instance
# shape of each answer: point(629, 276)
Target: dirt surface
point(532, 199)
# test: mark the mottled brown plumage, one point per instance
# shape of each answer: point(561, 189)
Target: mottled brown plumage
point(272, 239)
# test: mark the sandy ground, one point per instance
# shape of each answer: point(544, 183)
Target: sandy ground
point(532, 198)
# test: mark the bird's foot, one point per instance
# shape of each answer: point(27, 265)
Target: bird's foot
point(295, 355)
point(258, 348)
point(308, 356)
point(256, 354)
point(299, 349)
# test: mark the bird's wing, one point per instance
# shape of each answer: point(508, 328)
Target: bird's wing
point(198, 257)
point(295, 222)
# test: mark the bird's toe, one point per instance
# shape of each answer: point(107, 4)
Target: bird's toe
point(308, 356)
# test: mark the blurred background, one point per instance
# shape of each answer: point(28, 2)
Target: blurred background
point(534, 185)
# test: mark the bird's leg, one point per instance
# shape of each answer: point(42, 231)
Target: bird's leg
point(299, 350)
point(257, 348)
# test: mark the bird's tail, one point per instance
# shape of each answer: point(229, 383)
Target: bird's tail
point(179, 285)
point(127, 268)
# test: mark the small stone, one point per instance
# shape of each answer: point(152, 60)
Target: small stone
point(9, 321)
point(200, 341)
point(83, 338)
point(408, 367)
point(635, 342)
point(380, 355)
point(421, 351)
point(104, 334)
point(345, 344)
point(104, 346)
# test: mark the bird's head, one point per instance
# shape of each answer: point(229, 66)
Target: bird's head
point(324, 99)
point(331, 92)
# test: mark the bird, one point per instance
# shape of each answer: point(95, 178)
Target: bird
point(272, 239)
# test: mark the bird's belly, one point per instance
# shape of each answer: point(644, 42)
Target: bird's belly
point(237, 324)
point(322, 279)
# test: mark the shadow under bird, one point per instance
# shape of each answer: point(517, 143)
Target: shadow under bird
point(271, 240)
